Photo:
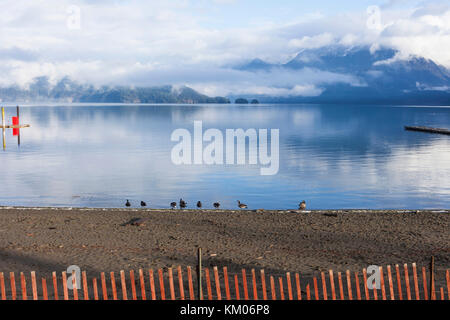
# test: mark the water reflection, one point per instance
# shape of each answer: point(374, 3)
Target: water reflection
point(331, 156)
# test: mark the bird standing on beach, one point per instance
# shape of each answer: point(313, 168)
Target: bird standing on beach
point(173, 205)
point(143, 204)
point(216, 205)
point(128, 204)
point(199, 204)
point(302, 205)
point(183, 204)
point(241, 205)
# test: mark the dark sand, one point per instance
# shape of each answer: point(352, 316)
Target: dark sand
point(46, 240)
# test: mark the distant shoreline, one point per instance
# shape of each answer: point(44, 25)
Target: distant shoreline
point(83, 104)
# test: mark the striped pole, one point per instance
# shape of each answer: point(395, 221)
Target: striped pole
point(18, 122)
point(3, 128)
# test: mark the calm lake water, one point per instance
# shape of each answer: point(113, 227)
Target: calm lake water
point(332, 156)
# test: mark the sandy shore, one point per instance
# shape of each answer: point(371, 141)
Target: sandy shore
point(46, 240)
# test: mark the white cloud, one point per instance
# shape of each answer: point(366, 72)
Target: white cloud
point(313, 42)
point(150, 43)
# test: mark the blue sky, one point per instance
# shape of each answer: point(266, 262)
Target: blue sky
point(241, 13)
point(194, 42)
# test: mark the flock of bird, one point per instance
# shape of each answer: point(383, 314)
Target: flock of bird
point(183, 204)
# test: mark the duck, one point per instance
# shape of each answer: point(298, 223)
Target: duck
point(143, 204)
point(199, 204)
point(302, 205)
point(183, 204)
point(128, 204)
point(241, 205)
point(173, 205)
point(216, 205)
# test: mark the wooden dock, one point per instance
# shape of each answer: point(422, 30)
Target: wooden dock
point(428, 130)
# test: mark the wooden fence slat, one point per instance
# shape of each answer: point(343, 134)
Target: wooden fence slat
point(55, 285)
point(216, 278)
point(142, 284)
point(280, 281)
point(13, 286)
point(408, 289)
point(324, 286)
point(432, 285)
point(349, 285)
point(152, 284)
point(113, 286)
point(358, 289)
point(104, 289)
point(23, 285)
point(399, 282)
point(341, 287)
point(34, 285)
point(171, 284)
point(416, 281)
point(375, 292)
point(316, 289)
point(64, 283)
point(366, 289)
point(180, 283)
point(263, 285)
point(44, 289)
point(208, 284)
point(391, 284)
point(297, 283)
point(383, 288)
point(448, 283)
point(442, 293)
point(133, 285)
point(2, 286)
point(289, 286)
point(255, 289)
point(227, 284)
point(123, 284)
point(161, 284)
point(74, 286)
point(85, 285)
point(244, 284)
point(94, 286)
point(236, 285)
point(308, 292)
point(424, 283)
point(333, 291)
point(272, 288)
point(190, 284)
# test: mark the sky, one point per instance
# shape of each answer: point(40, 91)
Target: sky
point(195, 43)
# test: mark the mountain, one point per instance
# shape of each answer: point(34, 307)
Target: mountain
point(356, 75)
point(384, 77)
point(66, 90)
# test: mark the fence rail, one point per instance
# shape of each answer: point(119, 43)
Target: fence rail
point(398, 283)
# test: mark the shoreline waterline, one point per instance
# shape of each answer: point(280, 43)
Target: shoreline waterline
point(187, 210)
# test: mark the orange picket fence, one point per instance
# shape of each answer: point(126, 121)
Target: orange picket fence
point(398, 283)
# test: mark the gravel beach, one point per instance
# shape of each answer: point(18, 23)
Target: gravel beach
point(51, 239)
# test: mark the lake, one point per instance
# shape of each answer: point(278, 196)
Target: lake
point(332, 156)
